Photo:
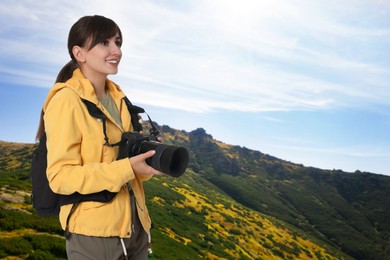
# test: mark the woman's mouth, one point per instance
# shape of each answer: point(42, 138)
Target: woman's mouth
point(115, 62)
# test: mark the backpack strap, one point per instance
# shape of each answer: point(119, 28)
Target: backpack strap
point(134, 113)
point(97, 113)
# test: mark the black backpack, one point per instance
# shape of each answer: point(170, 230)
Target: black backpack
point(44, 200)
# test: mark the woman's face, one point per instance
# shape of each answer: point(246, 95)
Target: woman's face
point(103, 58)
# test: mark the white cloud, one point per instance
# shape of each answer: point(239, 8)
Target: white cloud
point(247, 55)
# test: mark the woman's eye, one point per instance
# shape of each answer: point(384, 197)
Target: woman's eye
point(105, 43)
point(118, 43)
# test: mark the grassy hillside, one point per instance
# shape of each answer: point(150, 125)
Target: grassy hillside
point(232, 203)
point(348, 210)
point(193, 219)
point(207, 223)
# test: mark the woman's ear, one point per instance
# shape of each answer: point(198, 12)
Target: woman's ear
point(78, 53)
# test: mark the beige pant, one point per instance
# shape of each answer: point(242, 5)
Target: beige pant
point(95, 248)
point(79, 247)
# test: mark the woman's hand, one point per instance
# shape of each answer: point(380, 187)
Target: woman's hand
point(140, 167)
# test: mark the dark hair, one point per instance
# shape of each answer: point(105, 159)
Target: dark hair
point(90, 30)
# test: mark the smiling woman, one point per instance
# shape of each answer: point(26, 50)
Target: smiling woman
point(79, 158)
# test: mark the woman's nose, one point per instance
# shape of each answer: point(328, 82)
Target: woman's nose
point(115, 49)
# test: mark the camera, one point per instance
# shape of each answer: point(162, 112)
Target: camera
point(169, 159)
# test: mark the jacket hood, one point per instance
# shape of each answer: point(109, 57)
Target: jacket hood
point(83, 88)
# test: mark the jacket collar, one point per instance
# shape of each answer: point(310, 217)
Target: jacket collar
point(83, 88)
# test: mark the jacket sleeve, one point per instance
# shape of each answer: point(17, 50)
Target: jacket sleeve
point(66, 171)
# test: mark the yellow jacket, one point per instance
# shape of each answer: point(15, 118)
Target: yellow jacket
point(78, 160)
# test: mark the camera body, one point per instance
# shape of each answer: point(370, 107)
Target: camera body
point(169, 159)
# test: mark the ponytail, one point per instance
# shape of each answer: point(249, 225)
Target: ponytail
point(41, 128)
point(65, 73)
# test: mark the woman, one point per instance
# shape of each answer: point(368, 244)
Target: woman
point(78, 159)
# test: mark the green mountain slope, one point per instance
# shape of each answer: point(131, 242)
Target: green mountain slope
point(348, 210)
point(192, 220)
point(232, 203)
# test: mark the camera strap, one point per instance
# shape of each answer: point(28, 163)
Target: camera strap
point(134, 113)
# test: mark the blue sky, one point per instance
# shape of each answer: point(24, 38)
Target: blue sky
point(305, 81)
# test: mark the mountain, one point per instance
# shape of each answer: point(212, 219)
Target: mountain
point(348, 210)
point(232, 203)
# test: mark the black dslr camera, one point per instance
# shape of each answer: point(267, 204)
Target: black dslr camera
point(169, 159)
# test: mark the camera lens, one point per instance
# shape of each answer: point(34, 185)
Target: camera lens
point(169, 159)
